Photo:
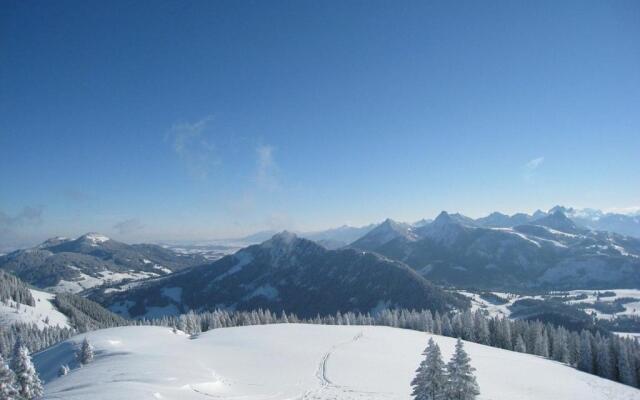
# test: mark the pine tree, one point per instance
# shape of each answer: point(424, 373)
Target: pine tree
point(626, 371)
point(604, 365)
point(585, 361)
point(430, 380)
point(27, 381)
point(85, 353)
point(521, 347)
point(461, 383)
point(8, 389)
point(63, 370)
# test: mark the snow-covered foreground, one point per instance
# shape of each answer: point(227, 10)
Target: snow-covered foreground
point(290, 361)
point(42, 314)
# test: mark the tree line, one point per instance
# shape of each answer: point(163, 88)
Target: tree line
point(606, 355)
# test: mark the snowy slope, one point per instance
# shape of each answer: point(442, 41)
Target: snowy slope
point(295, 362)
point(42, 314)
point(84, 281)
point(630, 308)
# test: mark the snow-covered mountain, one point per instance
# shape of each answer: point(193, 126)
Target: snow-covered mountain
point(587, 218)
point(24, 305)
point(20, 304)
point(338, 237)
point(384, 233)
point(499, 220)
point(624, 224)
point(291, 361)
point(284, 273)
point(73, 265)
point(548, 252)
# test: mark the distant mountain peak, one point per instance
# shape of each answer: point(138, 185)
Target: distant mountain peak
point(538, 214)
point(284, 242)
point(444, 218)
point(557, 220)
point(390, 223)
point(562, 209)
point(385, 232)
point(284, 237)
point(422, 222)
point(94, 238)
point(54, 241)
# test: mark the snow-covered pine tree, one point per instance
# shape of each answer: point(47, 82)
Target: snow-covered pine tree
point(8, 389)
point(85, 353)
point(430, 380)
point(481, 327)
point(461, 383)
point(585, 360)
point(27, 381)
point(521, 347)
point(604, 365)
point(63, 370)
point(626, 371)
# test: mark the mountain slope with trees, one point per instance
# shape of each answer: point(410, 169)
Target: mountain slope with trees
point(73, 265)
point(286, 273)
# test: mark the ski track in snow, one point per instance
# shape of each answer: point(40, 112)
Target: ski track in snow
point(330, 390)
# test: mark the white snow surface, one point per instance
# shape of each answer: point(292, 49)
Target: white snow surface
point(43, 314)
point(87, 282)
point(290, 361)
point(95, 238)
point(630, 309)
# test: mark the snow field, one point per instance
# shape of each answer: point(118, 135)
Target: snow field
point(291, 361)
point(42, 314)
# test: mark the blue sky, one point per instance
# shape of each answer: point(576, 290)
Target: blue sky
point(158, 120)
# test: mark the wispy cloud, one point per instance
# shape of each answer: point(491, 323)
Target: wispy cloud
point(28, 216)
point(632, 210)
point(267, 169)
point(531, 167)
point(128, 226)
point(76, 195)
point(194, 146)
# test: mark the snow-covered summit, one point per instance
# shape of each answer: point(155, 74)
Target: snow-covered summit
point(446, 228)
point(558, 221)
point(54, 241)
point(94, 238)
point(385, 232)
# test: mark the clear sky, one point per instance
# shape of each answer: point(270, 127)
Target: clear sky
point(203, 119)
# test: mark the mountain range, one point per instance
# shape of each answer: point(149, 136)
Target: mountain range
point(548, 252)
point(286, 273)
point(73, 265)
point(391, 264)
point(593, 219)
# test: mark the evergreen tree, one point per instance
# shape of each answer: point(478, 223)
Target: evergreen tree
point(430, 380)
point(461, 383)
point(520, 346)
point(625, 366)
point(64, 370)
point(604, 367)
point(481, 326)
point(585, 361)
point(27, 381)
point(85, 353)
point(8, 389)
